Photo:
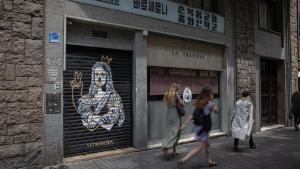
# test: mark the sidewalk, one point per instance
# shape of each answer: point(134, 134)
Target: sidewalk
point(277, 149)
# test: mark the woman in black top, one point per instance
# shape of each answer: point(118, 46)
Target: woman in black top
point(296, 109)
point(202, 124)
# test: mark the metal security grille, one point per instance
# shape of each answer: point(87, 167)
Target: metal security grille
point(83, 133)
point(268, 93)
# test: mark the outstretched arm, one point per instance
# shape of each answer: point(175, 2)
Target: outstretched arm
point(250, 120)
point(180, 101)
point(215, 109)
point(233, 114)
point(76, 83)
point(187, 121)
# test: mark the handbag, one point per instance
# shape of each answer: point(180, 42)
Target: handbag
point(179, 108)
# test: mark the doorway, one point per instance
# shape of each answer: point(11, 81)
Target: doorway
point(268, 74)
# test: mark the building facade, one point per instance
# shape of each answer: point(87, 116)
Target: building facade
point(263, 62)
point(91, 74)
point(145, 50)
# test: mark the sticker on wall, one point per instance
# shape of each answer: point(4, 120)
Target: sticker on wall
point(54, 37)
point(187, 95)
point(102, 106)
point(53, 74)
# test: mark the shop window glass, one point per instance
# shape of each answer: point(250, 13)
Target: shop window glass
point(160, 79)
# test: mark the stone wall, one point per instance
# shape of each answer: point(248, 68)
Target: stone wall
point(246, 59)
point(294, 43)
point(21, 82)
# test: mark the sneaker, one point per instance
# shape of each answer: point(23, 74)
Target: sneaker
point(235, 149)
point(296, 128)
point(253, 147)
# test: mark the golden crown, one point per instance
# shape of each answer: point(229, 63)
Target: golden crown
point(106, 60)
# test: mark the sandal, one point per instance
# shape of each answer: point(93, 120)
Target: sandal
point(168, 156)
point(211, 164)
point(253, 147)
point(175, 154)
point(235, 149)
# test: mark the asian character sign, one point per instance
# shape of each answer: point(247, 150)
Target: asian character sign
point(199, 19)
point(165, 10)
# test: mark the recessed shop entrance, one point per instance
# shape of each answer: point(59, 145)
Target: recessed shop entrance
point(97, 100)
point(161, 78)
point(192, 64)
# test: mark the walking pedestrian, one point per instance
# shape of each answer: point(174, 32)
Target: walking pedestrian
point(209, 108)
point(242, 121)
point(202, 126)
point(296, 109)
point(173, 123)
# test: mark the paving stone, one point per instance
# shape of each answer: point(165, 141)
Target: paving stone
point(276, 149)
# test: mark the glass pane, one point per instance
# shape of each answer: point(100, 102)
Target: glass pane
point(275, 15)
point(162, 78)
point(263, 15)
point(272, 16)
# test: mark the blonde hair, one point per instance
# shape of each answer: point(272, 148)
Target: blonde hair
point(171, 93)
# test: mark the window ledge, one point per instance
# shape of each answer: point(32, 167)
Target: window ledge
point(270, 31)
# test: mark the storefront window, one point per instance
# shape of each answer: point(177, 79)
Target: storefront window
point(160, 80)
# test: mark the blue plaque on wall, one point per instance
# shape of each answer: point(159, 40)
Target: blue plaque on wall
point(54, 37)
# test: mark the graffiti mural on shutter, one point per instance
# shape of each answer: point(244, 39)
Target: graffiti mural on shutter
point(97, 100)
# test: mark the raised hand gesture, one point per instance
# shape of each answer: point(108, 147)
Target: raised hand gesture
point(76, 83)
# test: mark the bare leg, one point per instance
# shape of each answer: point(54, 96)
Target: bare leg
point(207, 152)
point(193, 152)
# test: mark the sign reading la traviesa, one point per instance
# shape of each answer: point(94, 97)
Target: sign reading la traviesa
point(165, 10)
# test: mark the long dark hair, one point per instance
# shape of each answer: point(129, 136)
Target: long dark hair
point(198, 103)
point(206, 91)
point(297, 93)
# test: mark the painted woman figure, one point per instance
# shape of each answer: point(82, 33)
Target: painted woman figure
point(102, 106)
point(173, 122)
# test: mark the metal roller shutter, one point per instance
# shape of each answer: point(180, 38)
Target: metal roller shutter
point(87, 129)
